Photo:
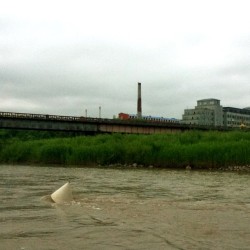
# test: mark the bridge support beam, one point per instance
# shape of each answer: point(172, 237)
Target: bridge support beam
point(48, 125)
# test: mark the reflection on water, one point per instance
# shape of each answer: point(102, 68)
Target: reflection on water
point(124, 209)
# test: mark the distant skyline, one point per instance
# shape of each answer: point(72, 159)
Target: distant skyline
point(63, 57)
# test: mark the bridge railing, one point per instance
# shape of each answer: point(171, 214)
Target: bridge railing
point(16, 115)
point(39, 116)
point(130, 122)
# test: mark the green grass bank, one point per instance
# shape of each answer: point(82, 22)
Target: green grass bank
point(200, 150)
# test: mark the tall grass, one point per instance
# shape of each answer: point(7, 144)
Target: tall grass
point(194, 148)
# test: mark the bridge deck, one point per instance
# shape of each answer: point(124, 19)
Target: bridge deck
point(12, 120)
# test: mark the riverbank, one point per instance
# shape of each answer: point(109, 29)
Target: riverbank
point(245, 168)
point(187, 150)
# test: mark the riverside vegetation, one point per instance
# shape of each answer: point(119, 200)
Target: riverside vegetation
point(195, 149)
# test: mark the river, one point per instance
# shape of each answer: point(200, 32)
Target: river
point(124, 209)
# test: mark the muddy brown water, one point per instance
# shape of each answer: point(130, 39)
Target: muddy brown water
point(124, 209)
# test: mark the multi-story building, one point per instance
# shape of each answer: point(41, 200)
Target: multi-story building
point(209, 112)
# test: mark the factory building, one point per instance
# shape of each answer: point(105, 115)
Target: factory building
point(209, 112)
point(235, 117)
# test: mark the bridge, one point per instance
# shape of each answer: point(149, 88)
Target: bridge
point(87, 125)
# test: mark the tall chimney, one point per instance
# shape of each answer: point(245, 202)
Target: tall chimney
point(139, 113)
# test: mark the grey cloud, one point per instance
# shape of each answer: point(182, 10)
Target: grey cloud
point(44, 70)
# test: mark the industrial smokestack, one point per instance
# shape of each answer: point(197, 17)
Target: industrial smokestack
point(139, 112)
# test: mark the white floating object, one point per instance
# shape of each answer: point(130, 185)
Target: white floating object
point(63, 194)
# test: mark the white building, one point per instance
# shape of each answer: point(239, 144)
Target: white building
point(235, 117)
point(208, 112)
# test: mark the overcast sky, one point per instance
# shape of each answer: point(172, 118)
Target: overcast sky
point(66, 56)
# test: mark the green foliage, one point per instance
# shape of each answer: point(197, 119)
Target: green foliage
point(195, 148)
point(54, 153)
